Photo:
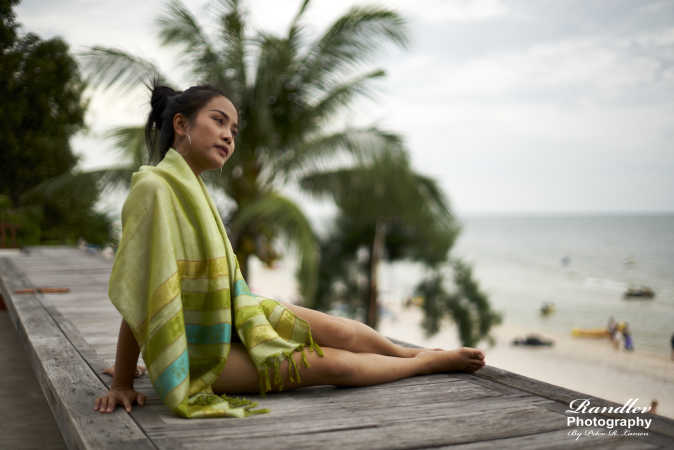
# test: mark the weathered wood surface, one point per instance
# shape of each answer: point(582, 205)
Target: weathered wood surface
point(26, 419)
point(72, 337)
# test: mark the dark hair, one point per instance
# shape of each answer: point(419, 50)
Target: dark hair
point(166, 103)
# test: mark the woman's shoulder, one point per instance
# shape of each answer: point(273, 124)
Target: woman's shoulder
point(148, 182)
point(147, 188)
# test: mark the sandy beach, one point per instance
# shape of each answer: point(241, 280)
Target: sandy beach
point(584, 365)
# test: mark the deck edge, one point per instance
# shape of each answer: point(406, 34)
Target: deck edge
point(54, 358)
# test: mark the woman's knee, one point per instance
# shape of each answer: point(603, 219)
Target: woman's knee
point(344, 333)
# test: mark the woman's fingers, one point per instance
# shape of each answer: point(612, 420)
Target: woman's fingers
point(125, 398)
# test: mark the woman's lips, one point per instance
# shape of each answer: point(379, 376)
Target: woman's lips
point(222, 150)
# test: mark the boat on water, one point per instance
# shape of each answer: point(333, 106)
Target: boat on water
point(639, 293)
point(533, 340)
point(597, 333)
point(547, 308)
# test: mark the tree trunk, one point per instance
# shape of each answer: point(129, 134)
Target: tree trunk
point(375, 256)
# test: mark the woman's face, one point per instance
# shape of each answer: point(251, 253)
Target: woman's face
point(212, 135)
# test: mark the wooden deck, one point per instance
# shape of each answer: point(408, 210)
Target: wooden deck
point(71, 337)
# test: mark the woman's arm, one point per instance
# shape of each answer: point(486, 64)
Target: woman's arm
point(121, 388)
point(126, 358)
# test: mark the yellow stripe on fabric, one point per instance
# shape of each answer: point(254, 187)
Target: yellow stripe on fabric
point(247, 300)
point(211, 268)
point(253, 321)
point(161, 296)
point(276, 314)
point(258, 334)
point(164, 315)
point(245, 313)
point(208, 317)
point(207, 351)
point(210, 301)
point(204, 285)
point(285, 326)
point(166, 335)
point(164, 293)
point(301, 330)
point(268, 305)
point(166, 357)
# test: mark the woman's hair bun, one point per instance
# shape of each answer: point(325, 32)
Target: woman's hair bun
point(158, 102)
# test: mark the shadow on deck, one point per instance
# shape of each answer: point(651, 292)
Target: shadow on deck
point(71, 337)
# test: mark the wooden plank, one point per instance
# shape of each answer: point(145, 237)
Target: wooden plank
point(67, 381)
point(438, 427)
point(24, 414)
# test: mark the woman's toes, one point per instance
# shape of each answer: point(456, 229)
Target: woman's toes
point(475, 353)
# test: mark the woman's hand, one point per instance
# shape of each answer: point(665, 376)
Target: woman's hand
point(118, 396)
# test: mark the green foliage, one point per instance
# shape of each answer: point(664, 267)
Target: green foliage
point(42, 107)
point(467, 306)
point(386, 211)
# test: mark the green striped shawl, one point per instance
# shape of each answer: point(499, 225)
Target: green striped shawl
point(175, 280)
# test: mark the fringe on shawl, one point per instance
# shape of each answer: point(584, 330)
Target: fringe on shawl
point(273, 364)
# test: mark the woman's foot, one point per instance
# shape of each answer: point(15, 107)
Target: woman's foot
point(464, 359)
point(140, 370)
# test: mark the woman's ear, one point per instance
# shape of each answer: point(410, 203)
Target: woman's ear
point(180, 125)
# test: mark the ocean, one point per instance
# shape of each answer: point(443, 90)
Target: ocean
point(519, 263)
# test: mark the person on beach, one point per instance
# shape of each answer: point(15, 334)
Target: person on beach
point(627, 338)
point(185, 305)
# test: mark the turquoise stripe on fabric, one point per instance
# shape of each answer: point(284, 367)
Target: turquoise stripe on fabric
point(240, 287)
point(220, 333)
point(173, 375)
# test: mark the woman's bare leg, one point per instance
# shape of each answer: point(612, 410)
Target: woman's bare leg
point(349, 334)
point(344, 368)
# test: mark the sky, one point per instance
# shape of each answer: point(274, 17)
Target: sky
point(514, 107)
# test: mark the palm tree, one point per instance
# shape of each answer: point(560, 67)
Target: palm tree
point(285, 100)
point(387, 209)
point(389, 212)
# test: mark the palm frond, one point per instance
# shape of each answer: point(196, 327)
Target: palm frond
point(351, 39)
point(342, 95)
point(364, 144)
point(130, 141)
point(108, 67)
point(178, 27)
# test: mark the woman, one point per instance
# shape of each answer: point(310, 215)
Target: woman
point(178, 286)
